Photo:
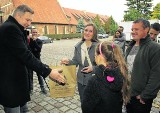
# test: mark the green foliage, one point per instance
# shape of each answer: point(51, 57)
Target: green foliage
point(139, 7)
point(97, 22)
point(80, 25)
point(101, 30)
point(132, 15)
point(156, 12)
point(111, 26)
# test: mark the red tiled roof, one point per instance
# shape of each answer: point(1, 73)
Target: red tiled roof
point(77, 14)
point(46, 11)
point(71, 13)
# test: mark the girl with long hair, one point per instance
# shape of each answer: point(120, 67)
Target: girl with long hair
point(109, 88)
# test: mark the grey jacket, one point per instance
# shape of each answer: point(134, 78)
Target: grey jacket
point(76, 60)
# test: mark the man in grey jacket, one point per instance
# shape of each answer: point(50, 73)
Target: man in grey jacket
point(142, 57)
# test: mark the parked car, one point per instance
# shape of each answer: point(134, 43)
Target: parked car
point(45, 39)
point(100, 36)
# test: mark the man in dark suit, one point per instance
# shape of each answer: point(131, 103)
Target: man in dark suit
point(36, 46)
point(15, 58)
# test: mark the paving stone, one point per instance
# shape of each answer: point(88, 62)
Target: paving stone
point(38, 100)
point(72, 106)
point(60, 99)
point(155, 110)
point(31, 111)
point(64, 108)
point(1, 111)
point(71, 111)
point(51, 54)
point(37, 108)
point(52, 102)
point(49, 107)
point(55, 111)
point(78, 110)
point(58, 105)
point(43, 111)
point(67, 103)
point(43, 103)
point(31, 104)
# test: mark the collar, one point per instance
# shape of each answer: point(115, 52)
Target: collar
point(142, 41)
point(12, 19)
point(81, 42)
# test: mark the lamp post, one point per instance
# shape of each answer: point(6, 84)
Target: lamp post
point(1, 15)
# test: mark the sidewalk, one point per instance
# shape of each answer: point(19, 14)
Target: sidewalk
point(51, 55)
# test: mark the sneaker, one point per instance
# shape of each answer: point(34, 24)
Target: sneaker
point(43, 91)
point(24, 109)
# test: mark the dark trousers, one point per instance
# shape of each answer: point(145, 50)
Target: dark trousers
point(81, 90)
point(18, 109)
point(40, 80)
point(136, 107)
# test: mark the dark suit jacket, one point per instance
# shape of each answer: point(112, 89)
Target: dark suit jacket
point(14, 60)
point(36, 46)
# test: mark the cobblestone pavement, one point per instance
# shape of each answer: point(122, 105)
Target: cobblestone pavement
point(51, 55)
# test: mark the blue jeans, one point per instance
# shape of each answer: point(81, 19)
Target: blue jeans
point(18, 109)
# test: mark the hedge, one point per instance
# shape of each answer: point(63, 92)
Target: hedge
point(63, 36)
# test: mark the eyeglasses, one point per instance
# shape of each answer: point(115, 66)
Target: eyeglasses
point(34, 32)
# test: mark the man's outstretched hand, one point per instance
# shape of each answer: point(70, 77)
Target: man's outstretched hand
point(56, 76)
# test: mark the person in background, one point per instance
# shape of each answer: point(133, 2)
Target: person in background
point(109, 88)
point(154, 31)
point(15, 58)
point(142, 56)
point(121, 28)
point(119, 39)
point(36, 46)
point(84, 57)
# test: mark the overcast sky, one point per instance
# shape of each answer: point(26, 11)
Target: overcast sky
point(115, 8)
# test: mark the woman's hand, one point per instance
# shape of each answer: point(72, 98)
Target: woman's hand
point(87, 69)
point(64, 61)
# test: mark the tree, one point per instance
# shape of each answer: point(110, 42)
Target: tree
point(111, 26)
point(97, 22)
point(142, 6)
point(132, 15)
point(80, 25)
point(156, 12)
point(101, 30)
